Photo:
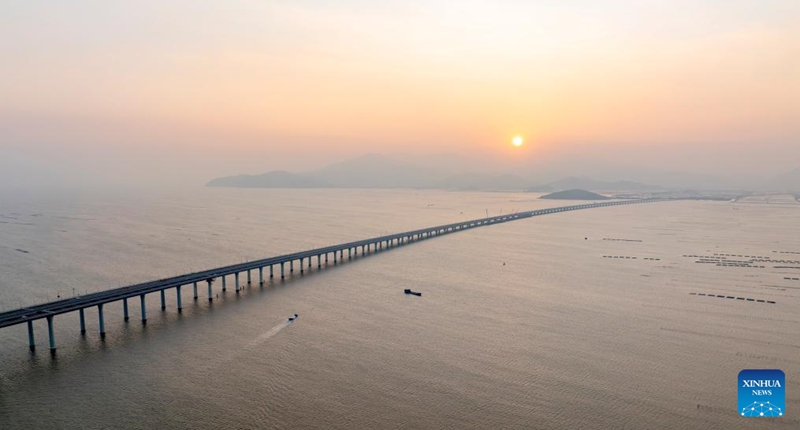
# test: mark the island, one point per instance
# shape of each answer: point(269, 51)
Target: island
point(575, 195)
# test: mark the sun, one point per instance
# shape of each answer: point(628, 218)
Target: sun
point(517, 141)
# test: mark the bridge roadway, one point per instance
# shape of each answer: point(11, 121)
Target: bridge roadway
point(79, 303)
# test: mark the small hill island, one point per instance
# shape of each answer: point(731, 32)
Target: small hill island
point(575, 195)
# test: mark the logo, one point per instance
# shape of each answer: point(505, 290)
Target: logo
point(762, 393)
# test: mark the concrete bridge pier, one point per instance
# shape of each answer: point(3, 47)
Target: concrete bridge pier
point(261, 276)
point(349, 253)
point(302, 264)
point(326, 258)
point(248, 277)
point(236, 281)
point(270, 272)
point(210, 293)
point(163, 301)
point(282, 272)
point(224, 287)
point(335, 259)
point(31, 343)
point(144, 309)
point(101, 321)
point(291, 266)
point(195, 291)
point(319, 261)
point(125, 315)
point(82, 319)
point(50, 332)
point(309, 261)
point(178, 296)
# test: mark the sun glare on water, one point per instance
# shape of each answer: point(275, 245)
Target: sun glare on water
point(517, 141)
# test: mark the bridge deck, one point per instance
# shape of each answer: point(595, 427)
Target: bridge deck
point(23, 315)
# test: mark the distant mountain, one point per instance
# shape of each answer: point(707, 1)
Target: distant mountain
point(573, 183)
point(575, 195)
point(479, 181)
point(545, 188)
point(683, 179)
point(376, 171)
point(277, 179)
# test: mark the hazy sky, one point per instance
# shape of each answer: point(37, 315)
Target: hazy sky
point(188, 90)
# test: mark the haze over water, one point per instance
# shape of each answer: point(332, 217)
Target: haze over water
point(528, 324)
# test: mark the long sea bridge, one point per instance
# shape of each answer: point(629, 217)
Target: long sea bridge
point(303, 259)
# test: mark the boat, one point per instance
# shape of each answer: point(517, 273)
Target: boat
point(408, 291)
point(293, 317)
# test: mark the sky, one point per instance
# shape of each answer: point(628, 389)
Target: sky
point(180, 92)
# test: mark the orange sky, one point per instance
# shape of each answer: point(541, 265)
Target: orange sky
point(250, 78)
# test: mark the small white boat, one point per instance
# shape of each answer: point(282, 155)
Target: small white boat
point(293, 317)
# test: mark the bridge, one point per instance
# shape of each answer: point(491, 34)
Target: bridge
point(27, 315)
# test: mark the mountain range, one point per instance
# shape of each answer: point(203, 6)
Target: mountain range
point(378, 171)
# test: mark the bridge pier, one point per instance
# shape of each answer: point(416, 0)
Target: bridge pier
point(144, 309)
point(282, 274)
point(210, 293)
point(163, 301)
point(335, 260)
point(178, 296)
point(195, 291)
point(319, 261)
point(291, 266)
point(326, 258)
point(50, 332)
point(236, 281)
point(261, 276)
point(101, 321)
point(349, 253)
point(270, 272)
point(31, 343)
point(224, 287)
point(82, 318)
point(302, 264)
point(248, 277)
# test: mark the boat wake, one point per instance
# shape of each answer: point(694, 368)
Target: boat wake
point(263, 337)
point(267, 334)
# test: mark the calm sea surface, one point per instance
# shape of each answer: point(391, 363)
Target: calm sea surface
point(529, 324)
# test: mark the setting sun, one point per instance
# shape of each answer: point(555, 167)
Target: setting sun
point(517, 141)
